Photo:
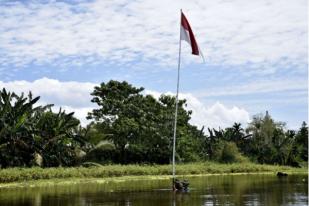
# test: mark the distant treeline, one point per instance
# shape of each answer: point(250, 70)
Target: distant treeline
point(129, 127)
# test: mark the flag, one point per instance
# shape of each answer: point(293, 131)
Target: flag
point(186, 34)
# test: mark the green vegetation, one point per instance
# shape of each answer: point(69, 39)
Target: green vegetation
point(32, 135)
point(36, 173)
point(129, 127)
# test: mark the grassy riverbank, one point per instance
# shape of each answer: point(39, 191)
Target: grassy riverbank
point(30, 174)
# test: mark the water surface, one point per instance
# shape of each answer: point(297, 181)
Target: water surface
point(207, 190)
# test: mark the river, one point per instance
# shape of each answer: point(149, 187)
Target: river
point(251, 189)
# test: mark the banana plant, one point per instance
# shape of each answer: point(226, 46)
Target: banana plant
point(16, 129)
point(27, 130)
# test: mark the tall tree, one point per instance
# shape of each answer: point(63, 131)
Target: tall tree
point(139, 125)
point(268, 139)
point(301, 140)
point(118, 112)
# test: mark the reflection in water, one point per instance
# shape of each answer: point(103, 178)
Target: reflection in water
point(210, 190)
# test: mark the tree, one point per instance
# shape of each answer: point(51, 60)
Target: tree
point(27, 131)
point(237, 134)
point(57, 138)
point(118, 113)
point(17, 146)
point(230, 153)
point(269, 143)
point(140, 126)
point(301, 140)
point(212, 143)
point(189, 137)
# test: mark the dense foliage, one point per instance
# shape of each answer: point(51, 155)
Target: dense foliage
point(139, 126)
point(131, 127)
point(31, 135)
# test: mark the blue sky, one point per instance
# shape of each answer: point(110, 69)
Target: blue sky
point(256, 54)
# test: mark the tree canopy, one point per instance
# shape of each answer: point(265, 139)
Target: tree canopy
point(140, 126)
point(129, 126)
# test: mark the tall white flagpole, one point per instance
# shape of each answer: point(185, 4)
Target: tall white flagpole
point(176, 106)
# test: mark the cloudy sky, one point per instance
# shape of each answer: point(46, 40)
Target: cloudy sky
point(256, 54)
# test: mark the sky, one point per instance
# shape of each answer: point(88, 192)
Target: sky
point(256, 54)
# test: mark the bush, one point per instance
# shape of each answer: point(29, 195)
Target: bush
point(104, 153)
point(228, 153)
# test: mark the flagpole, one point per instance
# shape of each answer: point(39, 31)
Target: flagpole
point(176, 104)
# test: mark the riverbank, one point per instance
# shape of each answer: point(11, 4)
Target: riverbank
point(25, 175)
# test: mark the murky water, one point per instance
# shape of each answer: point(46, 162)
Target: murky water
point(209, 190)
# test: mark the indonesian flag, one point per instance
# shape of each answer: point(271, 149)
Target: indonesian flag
point(187, 35)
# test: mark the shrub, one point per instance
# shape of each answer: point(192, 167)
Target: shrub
point(230, 153)
point(104, 153)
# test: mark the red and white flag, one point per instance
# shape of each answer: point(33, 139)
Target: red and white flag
point(186, 34)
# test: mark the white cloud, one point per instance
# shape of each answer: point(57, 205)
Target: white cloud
point(216, 115)
point(80, 113)
point(75, 97)
point(234, 32)
point(76, 94)
point(212, 116)
point(298, 86)
point(70, 96)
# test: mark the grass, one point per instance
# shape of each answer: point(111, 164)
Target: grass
point(29, 174)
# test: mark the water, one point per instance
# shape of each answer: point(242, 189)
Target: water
point(208, 190)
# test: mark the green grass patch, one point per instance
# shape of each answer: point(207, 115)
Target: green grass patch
point(29, 174)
